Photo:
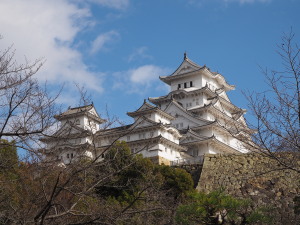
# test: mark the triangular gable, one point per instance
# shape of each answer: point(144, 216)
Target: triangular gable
point(225, 96)
point(94, 112)
point(88, 110)
point(191, 136)
point(242, 120)
point(145, 106)
point(218, 105)
point(142, 122)
point(176, 110)
point(186, 66)
point(68, 129)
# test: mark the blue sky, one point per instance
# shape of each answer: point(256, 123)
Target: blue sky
point(117, 49)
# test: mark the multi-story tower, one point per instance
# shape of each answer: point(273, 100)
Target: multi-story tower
point(75, 136)
point(203, 113)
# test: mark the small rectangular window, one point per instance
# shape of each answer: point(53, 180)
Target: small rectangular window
point(142, 136)
point(185, 85)
point(179, 86)
point(72, 156)
point(191, 83)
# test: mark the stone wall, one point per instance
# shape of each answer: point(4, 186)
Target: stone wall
point(160, 160)
point(255, 177)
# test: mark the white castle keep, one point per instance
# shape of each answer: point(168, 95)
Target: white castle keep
point(196, 117)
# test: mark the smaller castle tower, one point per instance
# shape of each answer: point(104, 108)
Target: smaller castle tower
point(71, 140)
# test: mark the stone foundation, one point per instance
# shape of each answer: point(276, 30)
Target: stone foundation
point(160, 160)
point(255, 177)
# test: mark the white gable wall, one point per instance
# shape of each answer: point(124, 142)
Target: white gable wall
point(158, 118)
point(196, 82)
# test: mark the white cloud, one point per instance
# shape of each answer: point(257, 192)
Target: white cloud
point(139, 53)
point(116, 4)
point(42, 28)
point(145, 74)
point(140, 80)
point(102, 40)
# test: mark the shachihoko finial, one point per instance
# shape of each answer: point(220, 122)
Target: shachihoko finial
point(145, 100)
point(184, 55)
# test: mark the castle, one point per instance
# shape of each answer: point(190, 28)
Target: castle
point(196, 117)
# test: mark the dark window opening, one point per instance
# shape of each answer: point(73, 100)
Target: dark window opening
point(179, 86)
point(185, 85)
point(68, 155)
point(191, 83)
point(72, 155)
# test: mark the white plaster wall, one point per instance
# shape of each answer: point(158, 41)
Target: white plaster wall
point(182, 123)
point(212, 84)
point(224, 95)
point(169, 153)
point(206, 132)
point(190, 102)
point(198, 150)
point(158, 118)
point(221, 137)
point(195, 79)
point(63, 156)
point(209, 116)
point(235, 143)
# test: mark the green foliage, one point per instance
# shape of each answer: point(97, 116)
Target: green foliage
point(134, 174)
point(8, 155)
point(176, 181)
point(130, 174)
point(218, 208)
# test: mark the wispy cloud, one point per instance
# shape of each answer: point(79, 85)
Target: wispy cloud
point(116, 4)
point(42, 28)
point(101, 42)
point(138, 54)
point(145, 74)
point(140, 79)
